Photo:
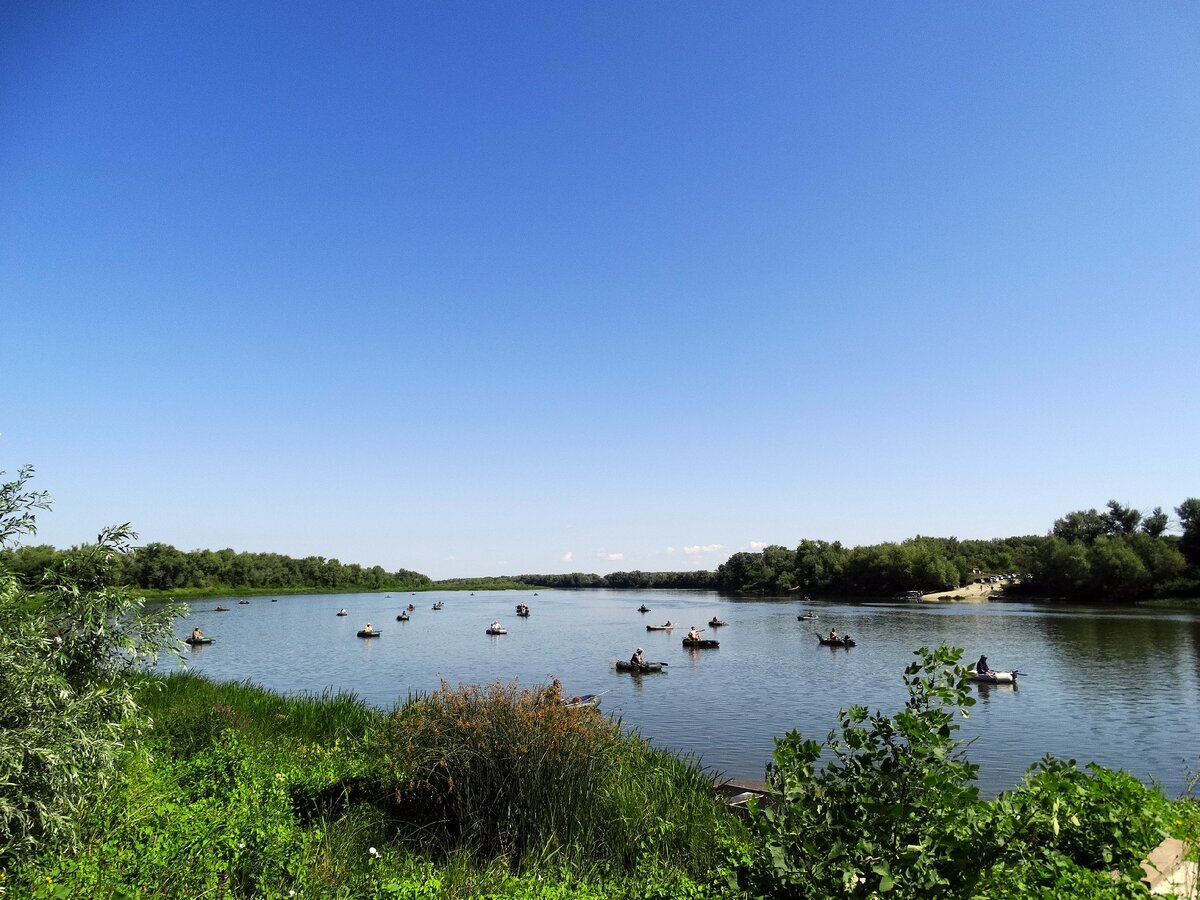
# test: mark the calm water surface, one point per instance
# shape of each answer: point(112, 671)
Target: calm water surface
point(1118, 687)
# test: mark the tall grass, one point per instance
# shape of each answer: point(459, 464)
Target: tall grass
point(191, 711)
point(501, 771)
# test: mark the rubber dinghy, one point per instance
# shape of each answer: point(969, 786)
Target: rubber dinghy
point(702, 643)
point(994, 677)
point(369, 634)
point(840, 642)
point(195, 642)
point(587, 700)
point(626, 666)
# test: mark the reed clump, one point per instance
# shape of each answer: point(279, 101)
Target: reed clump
point(503, 771)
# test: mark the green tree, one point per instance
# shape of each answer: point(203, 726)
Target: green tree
point(1189, 518)
point(1062, 568)
point(1121, 519)
point(1083, 525)
point(1116, 571)
point(1155, 523)
point(66, 709)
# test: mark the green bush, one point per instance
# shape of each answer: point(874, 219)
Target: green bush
point(1065, 826)
point(66, 711)
point(890, 812)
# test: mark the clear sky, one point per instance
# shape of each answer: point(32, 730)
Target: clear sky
point(491, 288)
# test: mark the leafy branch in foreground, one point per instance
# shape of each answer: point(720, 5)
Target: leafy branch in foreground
point(885, 814)
point(65, 711)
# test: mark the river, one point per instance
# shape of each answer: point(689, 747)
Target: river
point(1118, 686)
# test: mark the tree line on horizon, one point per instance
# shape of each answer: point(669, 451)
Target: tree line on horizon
point(162, 567)
point(1116, 554)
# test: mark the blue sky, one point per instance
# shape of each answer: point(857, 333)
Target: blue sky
point(531, 287)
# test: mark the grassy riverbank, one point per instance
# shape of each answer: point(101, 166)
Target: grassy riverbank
point(499, 791)
point(237, 792)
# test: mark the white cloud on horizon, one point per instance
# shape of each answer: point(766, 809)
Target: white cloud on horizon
point(568, 556)
point(758, 545)
point(701, 549)
point(610, 557)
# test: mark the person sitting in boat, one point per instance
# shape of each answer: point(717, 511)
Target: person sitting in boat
point(197, 634)
point(981, 667)
point(714, 621)
point(833, 635)
point(636, 659)
point(367, 628)
point(342, 611)
point(693, 634)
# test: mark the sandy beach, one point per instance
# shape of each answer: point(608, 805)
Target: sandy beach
point(970, 593)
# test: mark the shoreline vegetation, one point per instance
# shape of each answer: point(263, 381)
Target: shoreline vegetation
point(501, 791)
point(117, 784)
point(1119, 555)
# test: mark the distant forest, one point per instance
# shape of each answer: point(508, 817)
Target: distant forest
point(161, 567)
point(1119, 553)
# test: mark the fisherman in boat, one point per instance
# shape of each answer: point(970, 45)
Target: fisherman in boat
point(197, 634)
point(367, 629)
point(342, 611)
point(714, 621)
point(981, 667)
point(693, 634)
point(637, 660)
point(833, 635)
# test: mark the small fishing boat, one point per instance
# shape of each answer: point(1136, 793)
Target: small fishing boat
point(369, 634)
point(274, 599)
point(714, 622)
point(411, 607)
point(583, 702)
point(342, 612)
point(804, 616)
point(243, 603)
point(403, 617)
point(643, 608)
point(221, 609)
point(700, 643)
point(665, 627)
point(496, 628)
point(437, 605)
point(994, 677)
point(523, 612)
point(840, 642)
point(195, 642)
point(626, 666)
